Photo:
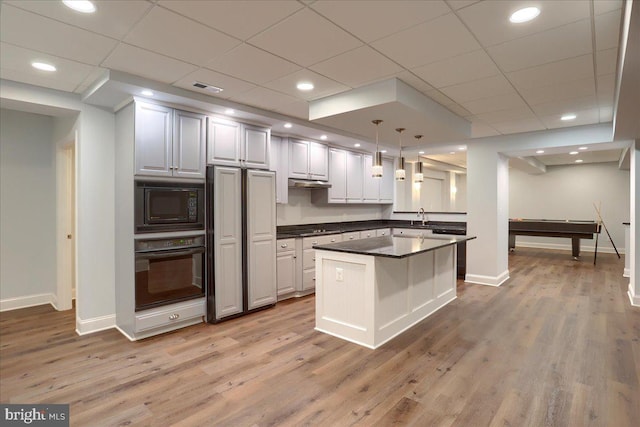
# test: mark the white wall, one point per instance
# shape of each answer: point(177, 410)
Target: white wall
point(27, 209)
point(300, 210)
point(568, 192)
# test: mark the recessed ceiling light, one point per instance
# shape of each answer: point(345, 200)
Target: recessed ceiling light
point(568, 117)
point(452, 152)
point(83, 6)
point(383, 151)
point(305, 86)
point(323, 137)
point(573, 153)
point(579, 161)
point(288, 125)
point(147, 92)
point(524, 15)
point(420, 152)
point(583, 148)
point(539, 151)
point(229, 111)
point(462, 148)
point(43, 66)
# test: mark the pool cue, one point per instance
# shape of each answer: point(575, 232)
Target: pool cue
point(605, 229)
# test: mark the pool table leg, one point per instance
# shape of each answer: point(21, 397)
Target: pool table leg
point(575, 247)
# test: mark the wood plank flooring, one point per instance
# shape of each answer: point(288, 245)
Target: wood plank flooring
point(557, 345)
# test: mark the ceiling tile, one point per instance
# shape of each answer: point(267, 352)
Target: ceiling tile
point(489, 20)
point(373, 20)
point(265, 98)
point(357, 67)
point(544, 47)
point(459, 69)
point(505, 115)
point(606, 88)
point(608, 30)
point(606, 61)
point(517, 126)
point(556, 92)
point(440, 97)
point(442, 38)
point(238, 18)
point(480, 129)
point(134, 60)
point(553, 73)
point(604, 6)
point(495, 103)
point(305, 38)
point(16, 65)
point(414, 81)
point(230, 85)
point(92, 77)
point(459, 110)
point(478, 89)
point(322, 85)
point(560, 107)
point(112, 18)
point(58, 39)
point(298, 109)
point(170, 34)
point(241, 62)
point(606, 114)
point(584, 117)
point(459, 4)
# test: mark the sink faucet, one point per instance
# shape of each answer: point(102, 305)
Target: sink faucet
point(421, 212)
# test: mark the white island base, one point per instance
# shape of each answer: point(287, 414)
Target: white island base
point(369, 300)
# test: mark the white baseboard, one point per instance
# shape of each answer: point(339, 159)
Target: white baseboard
point(633, 298)
point(567, 247)
point(487, 280)
point(27, 301)
point(129, 337)
point(626, 272)
point(95, 324)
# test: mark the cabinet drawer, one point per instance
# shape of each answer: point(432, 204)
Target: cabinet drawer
point(412, 232)
point(308, 242)
point(367, 234)
point(354, 235)
point(308, 280)
point(383, 232)
point(170, 314)
point(285, 245)
point(308, 259)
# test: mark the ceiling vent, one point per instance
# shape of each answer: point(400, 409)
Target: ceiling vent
point(210, 88)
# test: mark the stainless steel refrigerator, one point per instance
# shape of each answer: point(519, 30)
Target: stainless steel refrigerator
point(241, 241)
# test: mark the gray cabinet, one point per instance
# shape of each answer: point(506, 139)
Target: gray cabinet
point(261, 238)
point(227, 237)
point(286, 266)
point(279, 163)
point(308, 160)
point(370, 185)
point(237, 144)
point(255, 147)
point(169, 142)
point(337, 176)
point(354, 180)
point(387, 181)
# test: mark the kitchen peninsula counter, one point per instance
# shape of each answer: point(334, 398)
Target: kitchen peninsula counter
point(371, 290)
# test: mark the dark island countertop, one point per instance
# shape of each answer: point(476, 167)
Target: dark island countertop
point(396, 246)
point(306, 230)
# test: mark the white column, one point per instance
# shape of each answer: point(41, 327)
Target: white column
point(487, 215)
point(634, 217)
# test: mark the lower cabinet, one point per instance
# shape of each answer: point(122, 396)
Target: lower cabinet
point(286, 267)
point(309, 258)
point(169, 317)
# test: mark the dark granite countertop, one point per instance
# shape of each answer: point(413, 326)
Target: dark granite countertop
point(319, 229)
point(396, 246)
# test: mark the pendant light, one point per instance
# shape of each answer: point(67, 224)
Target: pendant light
point(418, 176)
point(400, 172)
point(376, 170)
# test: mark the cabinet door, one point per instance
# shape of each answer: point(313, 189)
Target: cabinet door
point(286, 272)
point(279, 163)
point(371, 185)
point(223, 142)
point(337, 176)
point(153, 152)
point(189, 144)
point(354, 177)
point(256, 143)
point(227, 241)
point(261, 238)
point(387, 182)
point(298, 159)
point(318, 161)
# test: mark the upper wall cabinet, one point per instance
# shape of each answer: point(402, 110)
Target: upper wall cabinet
point(235, 144)
point(279, 163)
point(169, 142)
point(308, 160)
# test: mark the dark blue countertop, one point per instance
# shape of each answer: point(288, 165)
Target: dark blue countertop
point(396, 246)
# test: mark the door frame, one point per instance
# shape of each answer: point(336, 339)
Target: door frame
point(66, 224)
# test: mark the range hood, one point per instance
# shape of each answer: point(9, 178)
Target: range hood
point(308, 183)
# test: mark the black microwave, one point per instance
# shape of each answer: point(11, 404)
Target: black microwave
point(168, 206)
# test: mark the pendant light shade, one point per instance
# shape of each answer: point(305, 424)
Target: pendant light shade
point(417, 175)
point(400, 172)
point(376, 170)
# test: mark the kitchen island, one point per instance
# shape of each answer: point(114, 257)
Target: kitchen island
point(368, 291)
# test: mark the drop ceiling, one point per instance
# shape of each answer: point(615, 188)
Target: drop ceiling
point(464, 55)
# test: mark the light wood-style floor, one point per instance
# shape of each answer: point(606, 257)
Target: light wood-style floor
point(557, 345)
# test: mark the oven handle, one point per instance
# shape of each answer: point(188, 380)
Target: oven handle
point(169, 254)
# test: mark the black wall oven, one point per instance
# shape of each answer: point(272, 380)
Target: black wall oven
point(169, 270)
point(168, 206)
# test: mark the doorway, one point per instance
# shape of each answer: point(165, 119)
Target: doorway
point(66, 225)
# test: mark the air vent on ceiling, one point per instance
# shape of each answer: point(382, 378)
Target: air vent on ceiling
point(210, 88)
